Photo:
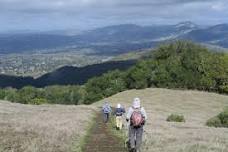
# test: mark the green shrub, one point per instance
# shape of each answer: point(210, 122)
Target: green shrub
point(138, 76)
point(62, 94)
point(104, 86)
point(221, 120)
point(175, 118)
point(2, 94)
point(27, 94)
point(50, 94)
point(181, 65)
point(223, 116)
point(38, 101)
point(11, 95)
point(214, 122)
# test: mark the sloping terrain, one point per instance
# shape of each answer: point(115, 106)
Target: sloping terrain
point(74, 75)
point(102, 140)
point(215, 35)
point(115, 39)
point(193, 135)
point(67, 75)
point(46, 128)
point(55, 128)
point(106, 40)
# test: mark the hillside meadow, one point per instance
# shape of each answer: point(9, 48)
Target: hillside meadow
point(191, 136)
point(61, 128)
point(180, 65)
point(44, 128)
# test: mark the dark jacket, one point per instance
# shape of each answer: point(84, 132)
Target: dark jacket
point(119, 111)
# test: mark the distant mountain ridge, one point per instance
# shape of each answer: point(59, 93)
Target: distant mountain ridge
point(215, 35)
point(114, 39)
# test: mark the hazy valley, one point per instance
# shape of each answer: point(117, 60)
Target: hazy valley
point(34, 54)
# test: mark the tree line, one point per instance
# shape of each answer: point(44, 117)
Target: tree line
point(181, 64)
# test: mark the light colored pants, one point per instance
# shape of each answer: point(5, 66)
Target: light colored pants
point(119, 122)
point(135, 137)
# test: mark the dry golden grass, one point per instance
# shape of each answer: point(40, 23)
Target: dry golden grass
point(54, 128)
point(191, 136)
point(45, 128)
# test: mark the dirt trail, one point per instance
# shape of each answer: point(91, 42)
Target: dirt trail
point(101, 140)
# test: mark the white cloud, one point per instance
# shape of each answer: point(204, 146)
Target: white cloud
point(89, 13)
point(219, 6)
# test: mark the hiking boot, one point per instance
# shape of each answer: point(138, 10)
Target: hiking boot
point(137, 150)
point(128, 145)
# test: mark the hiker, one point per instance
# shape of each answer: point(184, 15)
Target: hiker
point(106, 109)
point(137, 117)
point(119, 111)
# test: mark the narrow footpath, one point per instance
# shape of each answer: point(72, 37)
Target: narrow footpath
point(102, 140)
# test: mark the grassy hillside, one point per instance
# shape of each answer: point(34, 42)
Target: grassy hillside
point(191, 136)
point(46, 128)
point(181, 64)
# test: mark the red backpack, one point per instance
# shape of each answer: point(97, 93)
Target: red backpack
point(137, 118)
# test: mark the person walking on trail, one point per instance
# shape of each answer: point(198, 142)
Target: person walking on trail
point(137, 117)
point(106, 109)
point(119, 111)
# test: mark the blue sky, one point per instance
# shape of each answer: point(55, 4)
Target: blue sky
point(86, 14)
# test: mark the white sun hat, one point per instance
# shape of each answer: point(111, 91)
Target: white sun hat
point(118, 105)
point(136, 103)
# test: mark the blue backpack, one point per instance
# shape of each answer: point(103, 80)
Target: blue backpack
point(106, 109)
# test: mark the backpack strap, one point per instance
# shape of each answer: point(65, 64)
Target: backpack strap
point(136, 109)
